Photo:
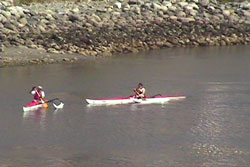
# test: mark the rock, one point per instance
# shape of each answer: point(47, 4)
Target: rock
point(187, 19)
point(10, 26)
point(66, 59)
point(96, 18)
point(204, 3)
point(49, 17)
point(41, 28)
point(6, 31)
point(181, 14)
point(6, 14)
point(53, 50)
point(73, 18)
point(174, 18)
point(226, 13)
point(75, 10)
point(3, 19)
point(7, 3)
point(246, 13)
point(156, 6)
point(132, 2)
point(172, 8)
point(2, 48)
point(118, 5)
point(182, 4)
point(1, 26)
point(245, 6)
point(23, 21)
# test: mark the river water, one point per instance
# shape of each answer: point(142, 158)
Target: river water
point(210, 128)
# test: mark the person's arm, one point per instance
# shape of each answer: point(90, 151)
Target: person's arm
point(42, 94)
point(144, 91)
point(33, 91)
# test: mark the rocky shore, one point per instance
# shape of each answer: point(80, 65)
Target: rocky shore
point(103, 28)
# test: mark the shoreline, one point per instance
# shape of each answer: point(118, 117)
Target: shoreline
point(20, 56)
point(71, 31)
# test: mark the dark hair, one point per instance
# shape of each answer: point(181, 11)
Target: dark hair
point(140, 84)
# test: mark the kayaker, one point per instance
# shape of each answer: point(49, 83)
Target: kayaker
point(39, 95)
point(140, 91)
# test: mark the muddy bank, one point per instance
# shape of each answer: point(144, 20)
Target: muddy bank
point(104, 28)
point(26, 56)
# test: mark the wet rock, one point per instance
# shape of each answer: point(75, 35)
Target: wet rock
point(2, 48)
point(66, 59)
point(53, 50)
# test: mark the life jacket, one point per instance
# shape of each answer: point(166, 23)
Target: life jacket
point(38, 95)
point(140, 91)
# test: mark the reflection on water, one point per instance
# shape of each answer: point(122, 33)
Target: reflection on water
point(35, 117)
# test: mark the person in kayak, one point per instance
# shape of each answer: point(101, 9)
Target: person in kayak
point(140, 91)
point(39, 95)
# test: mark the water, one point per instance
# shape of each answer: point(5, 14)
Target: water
point(210, 128)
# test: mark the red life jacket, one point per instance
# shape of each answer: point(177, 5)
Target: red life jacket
point(38, 95)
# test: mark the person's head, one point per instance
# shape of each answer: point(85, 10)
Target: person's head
point(40, 88)
point(140, 85)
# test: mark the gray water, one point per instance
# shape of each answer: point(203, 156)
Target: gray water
point(210, 128)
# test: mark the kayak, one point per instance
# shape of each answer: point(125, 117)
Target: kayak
point(159, 99)
point(34, 105)
point(132, 99)
point(110, 101)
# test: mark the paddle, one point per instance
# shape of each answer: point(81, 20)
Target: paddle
point(155, 95)
point(55, 105)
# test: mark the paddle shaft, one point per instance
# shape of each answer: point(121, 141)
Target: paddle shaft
point(51, 101)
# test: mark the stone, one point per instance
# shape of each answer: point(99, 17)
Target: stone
point(23, 21)
point(226, 13)
point(187, 19)
point(174, 18)
point(96, 18)
point(73, 18)
point(2, 48)
point(41, 28)
point(53, 50)
point(246, 13)
point(132, 2)
point(204, 3)
point(118, 5)
point(75, 10)
point(7, 14)
point(156, 6)
point(66, 59)
point(172, 8)
point(3, 19)
point(10, 26)
point(181, 14)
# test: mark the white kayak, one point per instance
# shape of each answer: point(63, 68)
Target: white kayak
point(132, 99)
point(159, 99)
point(111, 101)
